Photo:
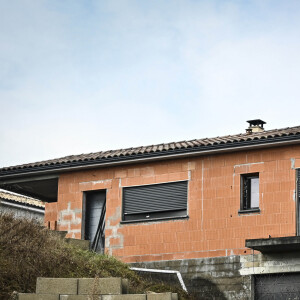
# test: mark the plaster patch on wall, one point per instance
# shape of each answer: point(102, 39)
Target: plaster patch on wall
point(67, 217)
point(247, 165)
point(64, 213)
point(115, 235)
point(95, 182)
point(233, 178)
point(293, 163)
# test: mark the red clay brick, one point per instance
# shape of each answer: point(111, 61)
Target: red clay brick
point(68, 217)
point(217, 204)
point(75, 226)
point(114, 241)
point(147, 171)
point(129, 241)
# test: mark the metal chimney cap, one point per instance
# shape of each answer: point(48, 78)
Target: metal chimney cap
point(256, 122)
point(256, 125)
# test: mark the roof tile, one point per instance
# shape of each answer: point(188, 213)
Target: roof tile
point(228, 139)
point(6, 195)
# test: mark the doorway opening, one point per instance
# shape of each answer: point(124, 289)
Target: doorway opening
point(94, 219)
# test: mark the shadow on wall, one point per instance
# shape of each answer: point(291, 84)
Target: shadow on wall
point(161, 277)
point(198, 287)
point(204, 289)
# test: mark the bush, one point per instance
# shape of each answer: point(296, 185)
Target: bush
point(28, 251)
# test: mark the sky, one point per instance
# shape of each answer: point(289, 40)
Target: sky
point(85, 76)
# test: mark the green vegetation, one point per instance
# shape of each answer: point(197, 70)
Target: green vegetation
point(28, 251)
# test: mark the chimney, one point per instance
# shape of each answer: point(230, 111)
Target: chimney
point(256, 125)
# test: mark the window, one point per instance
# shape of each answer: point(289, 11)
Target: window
point(250, 192)
point(155, 201)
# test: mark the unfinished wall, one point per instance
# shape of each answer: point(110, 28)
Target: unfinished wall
point(207, 278)
point(230, 277)
point(214, 227)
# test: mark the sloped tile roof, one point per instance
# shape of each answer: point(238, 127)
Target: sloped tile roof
point(161, 149)
point(6, 195)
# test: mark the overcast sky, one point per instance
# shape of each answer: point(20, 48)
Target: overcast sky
point(85, 76)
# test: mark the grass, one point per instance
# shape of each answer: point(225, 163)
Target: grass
point(28, 251)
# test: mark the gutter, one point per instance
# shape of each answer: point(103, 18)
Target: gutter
point(152, 156)
point(163, 271)
point(24, 207)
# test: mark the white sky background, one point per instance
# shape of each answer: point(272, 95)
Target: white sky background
point(84, 76)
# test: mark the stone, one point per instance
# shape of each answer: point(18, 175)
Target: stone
point(125, 297)
point(174, 296)
point(80, 297)
point(23, 296)
point(125, 286)
point(159, 296)
point(99, 286)
point(65, 286)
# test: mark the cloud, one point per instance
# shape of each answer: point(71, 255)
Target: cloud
point(94, 75)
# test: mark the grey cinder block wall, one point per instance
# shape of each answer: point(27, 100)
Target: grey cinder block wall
point(231, 277)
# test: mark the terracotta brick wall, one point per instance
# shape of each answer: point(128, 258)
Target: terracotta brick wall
point(214, 227)
point(50, 218)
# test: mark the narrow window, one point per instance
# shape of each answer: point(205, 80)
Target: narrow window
point(156, 201)
point(250, 192)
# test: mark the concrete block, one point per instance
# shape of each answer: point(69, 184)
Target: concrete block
point(65, 286)
point(125, 286)
point(174, 296)
point(99, 286)
point(159, 296)
point(125, 297)
point(38, 297)
point(80, 297)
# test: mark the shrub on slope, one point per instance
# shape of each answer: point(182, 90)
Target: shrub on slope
point(28, 251)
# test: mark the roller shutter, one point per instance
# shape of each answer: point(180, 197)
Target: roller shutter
point(155, 201)
point(282, 286)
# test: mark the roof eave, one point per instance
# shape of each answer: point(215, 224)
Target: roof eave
point(155, 156)
point(22, 205)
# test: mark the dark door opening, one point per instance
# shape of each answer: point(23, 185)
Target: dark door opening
point(95, 209)
point(281, 286)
